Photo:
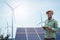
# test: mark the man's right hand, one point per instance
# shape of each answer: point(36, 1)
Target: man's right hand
point(44, 27)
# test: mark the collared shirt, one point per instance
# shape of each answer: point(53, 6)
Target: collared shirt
point(53, 25)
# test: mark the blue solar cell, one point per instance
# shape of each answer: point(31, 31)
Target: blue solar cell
point(40, 32)
point(40, 29)
point(41, 36)
point(33, 37)
point(20, 29)
point(58, 34)
point(30, 30)
point(58, 31)
point(20, 37)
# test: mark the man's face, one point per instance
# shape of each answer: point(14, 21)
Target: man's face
point(49, 14)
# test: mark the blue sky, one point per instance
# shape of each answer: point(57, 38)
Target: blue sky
point(28, 12)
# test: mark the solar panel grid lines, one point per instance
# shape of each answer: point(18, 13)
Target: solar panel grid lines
point(20, 33)
point(37, 33)
point(26, 33)
point(58, 31)
point(30, 31)
point(21, 30)
point(40, 30)
point(33, 36)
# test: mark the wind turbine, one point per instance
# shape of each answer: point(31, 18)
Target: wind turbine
point(12, 10)
point(41, 21)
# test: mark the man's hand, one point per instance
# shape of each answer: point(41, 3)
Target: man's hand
point(49, 28)
point(44, 27)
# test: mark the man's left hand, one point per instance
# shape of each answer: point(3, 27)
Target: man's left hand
point(49, 28)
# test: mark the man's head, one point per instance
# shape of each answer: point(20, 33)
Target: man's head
point(49, 13)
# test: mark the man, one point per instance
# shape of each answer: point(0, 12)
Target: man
point(50, 27)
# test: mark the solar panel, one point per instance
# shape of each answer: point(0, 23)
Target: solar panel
point(20, 34)
point(40, 33)
point(58, 34)
point(40, 30)
point(20, 29)
point(21, 37)
point(30, 30)
point(32, 34)
point(58, 31)
point(33, 37)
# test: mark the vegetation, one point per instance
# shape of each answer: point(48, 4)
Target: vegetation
point(4, 38)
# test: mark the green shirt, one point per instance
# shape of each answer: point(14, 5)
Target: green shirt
point(54, 27)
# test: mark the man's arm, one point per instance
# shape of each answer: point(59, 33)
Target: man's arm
point(55, 28)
